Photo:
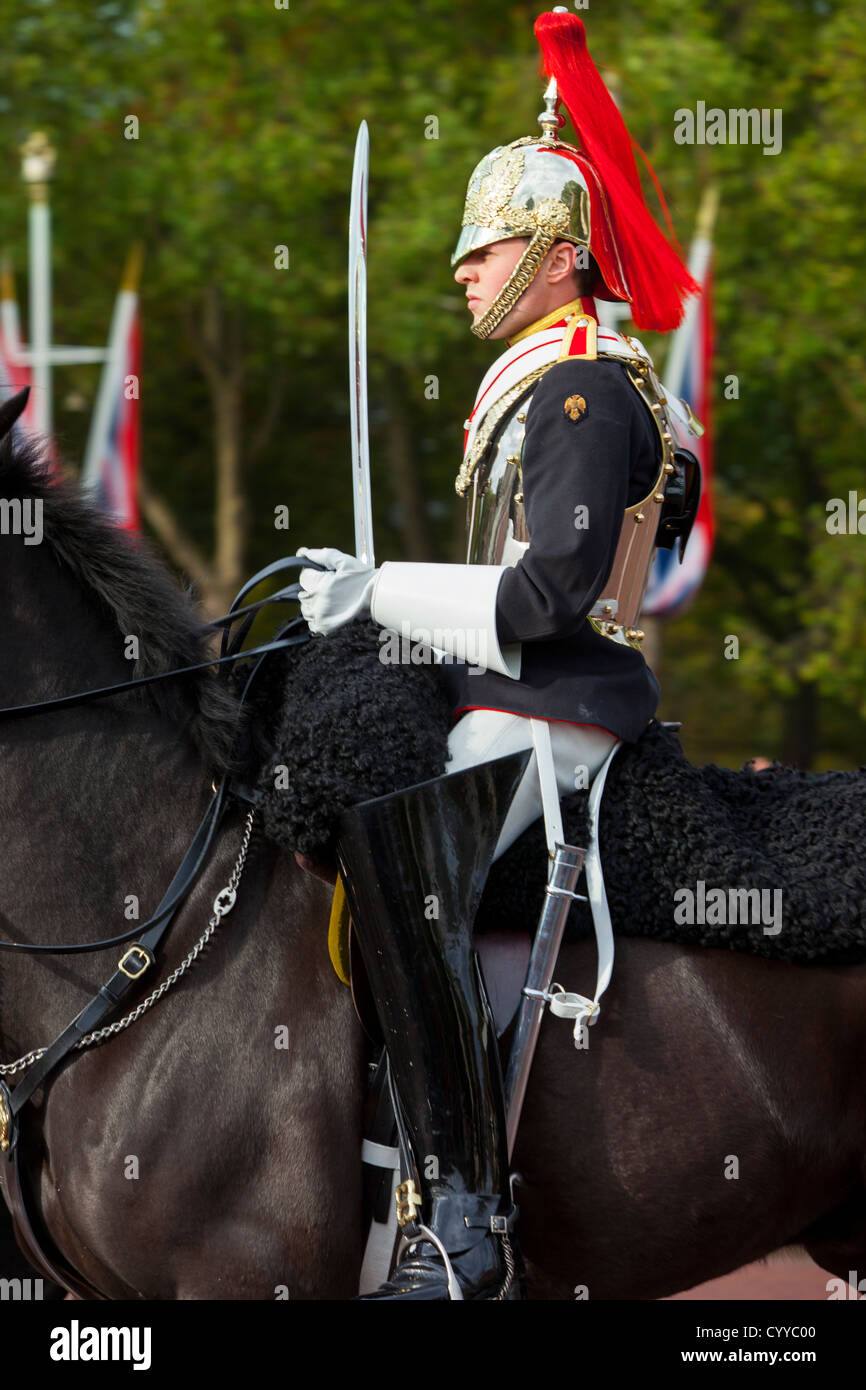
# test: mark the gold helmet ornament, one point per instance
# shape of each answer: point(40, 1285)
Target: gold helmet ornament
point(548, 191)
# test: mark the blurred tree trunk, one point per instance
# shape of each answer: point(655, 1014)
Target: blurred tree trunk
point(800, 727)
point(405, 473)
point(215, 334)
point(218, 344)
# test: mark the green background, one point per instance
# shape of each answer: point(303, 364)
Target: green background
point(247, 115)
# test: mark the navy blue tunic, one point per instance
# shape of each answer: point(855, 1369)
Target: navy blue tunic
point(604, 461)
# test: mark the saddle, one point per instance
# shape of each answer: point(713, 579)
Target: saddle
point(765, 862)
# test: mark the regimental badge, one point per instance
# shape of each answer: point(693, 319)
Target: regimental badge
point(575, 407)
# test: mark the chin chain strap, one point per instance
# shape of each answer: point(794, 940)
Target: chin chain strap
point(520, 278)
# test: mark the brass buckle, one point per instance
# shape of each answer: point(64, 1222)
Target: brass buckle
point(5, 1124)
point(408, 1202)
point(143, 956)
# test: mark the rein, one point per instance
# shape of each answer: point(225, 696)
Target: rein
point(140, 956)
point(193, 861)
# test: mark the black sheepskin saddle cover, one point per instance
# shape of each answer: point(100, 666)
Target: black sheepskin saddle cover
point(341, 727)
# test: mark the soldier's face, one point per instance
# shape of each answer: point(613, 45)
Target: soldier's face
point(485, 271)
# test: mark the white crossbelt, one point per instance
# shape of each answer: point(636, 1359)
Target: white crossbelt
point(547, 781)
point(565, 1004)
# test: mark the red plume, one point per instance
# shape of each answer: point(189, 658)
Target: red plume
point(655, 277)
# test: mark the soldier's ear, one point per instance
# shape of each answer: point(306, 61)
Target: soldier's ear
point(562, 261)
point(11, 409)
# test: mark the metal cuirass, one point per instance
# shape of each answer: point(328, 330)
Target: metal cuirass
point(496, 521)
point(495, 518)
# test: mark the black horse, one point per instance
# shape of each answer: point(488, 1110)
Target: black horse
point(211, 1149)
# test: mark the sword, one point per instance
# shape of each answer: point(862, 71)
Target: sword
point(558, 898)
point(567, 862)
point(358, 349)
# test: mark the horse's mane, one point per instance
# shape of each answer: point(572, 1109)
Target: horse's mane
point(132, 587)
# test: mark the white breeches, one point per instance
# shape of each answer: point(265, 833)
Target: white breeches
point(483, 735)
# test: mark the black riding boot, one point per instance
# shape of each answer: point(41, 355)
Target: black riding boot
point(414, 866)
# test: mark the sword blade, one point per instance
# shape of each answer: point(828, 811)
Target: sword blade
point(361, 491)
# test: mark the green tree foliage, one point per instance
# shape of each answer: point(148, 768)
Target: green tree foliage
point(247, 113)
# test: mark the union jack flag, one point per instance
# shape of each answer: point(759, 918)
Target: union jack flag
point(14, 374)
point(672, 585)
point(112, 456)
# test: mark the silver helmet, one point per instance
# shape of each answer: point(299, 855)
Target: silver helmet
point(522, 189)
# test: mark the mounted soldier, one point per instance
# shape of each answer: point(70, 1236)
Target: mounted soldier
point(569, 452)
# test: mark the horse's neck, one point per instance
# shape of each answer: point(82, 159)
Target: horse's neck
point(53, 637)
point(97, 802)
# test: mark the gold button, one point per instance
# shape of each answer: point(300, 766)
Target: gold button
point(608, 608)
point(521, 419)
point(658, 497)
point(656, 406)
point(639, 516)
point(611, 629)
point(634, 634)
point(669, 468)
point(513, 458)
point(667, 436)
point(518, 496)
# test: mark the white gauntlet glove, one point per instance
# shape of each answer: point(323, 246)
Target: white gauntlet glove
point(329, 598)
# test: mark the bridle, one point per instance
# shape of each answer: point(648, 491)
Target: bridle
point(141, 956)
point(292, 634)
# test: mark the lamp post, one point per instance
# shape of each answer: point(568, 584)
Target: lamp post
point(37, 166)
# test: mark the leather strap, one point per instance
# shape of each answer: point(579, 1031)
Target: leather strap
point(52, 1267)
point(82, 697)
point(139, 957)
point(569, 1004)
point(110, 995)
point(153, 928)
point(548, 785)
point(282, 596)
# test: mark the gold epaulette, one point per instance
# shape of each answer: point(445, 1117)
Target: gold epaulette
point(580, 339)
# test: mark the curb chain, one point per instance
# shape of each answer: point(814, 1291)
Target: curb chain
point(222, 906)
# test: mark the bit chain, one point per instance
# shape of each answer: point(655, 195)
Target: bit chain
point(223, 904)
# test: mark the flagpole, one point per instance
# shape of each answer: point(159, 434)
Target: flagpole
point(111, 383)
point(699, 259)
point(682, 344)
point(37, 167)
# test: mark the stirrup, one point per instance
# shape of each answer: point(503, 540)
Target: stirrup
point(424, 1233)
point(446, 1267)
point(441, 1263)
